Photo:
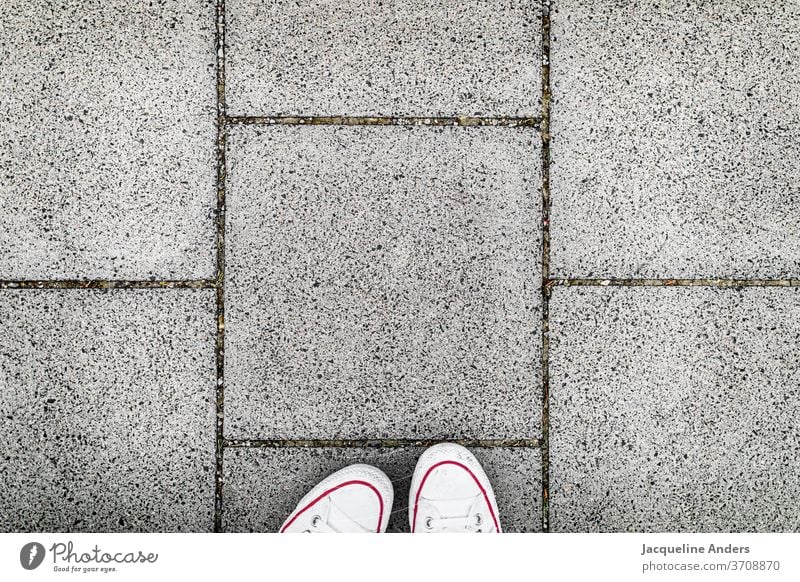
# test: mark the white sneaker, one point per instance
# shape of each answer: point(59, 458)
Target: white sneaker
point(451, 493)
point(356, 499)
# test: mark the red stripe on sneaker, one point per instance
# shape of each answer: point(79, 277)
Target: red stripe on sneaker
point(331, 490)
point(471, 474)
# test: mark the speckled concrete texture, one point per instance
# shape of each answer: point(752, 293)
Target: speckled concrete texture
point(380, 279)
point(108, 410)
point(674, 409)
point(382, 282)
point(107, 139)
point(366, 57)
point(263, 486)
point(674, 139)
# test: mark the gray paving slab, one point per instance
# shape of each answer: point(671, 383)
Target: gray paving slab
point(675, 409)
point(263, 486)
point(367, 57)
point(382, 282)
point(107, 400)
point(674, 135)
point(107, 139)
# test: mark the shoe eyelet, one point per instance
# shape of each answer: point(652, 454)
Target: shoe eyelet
point(478, 519)
point(428, 523)
point(315, 521)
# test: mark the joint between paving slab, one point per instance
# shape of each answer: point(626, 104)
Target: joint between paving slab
point(107, 284)
point(377, 443)
point(457, 121)
point(548, 285)
point(220, 276)
point(544, 130)
point(725, 283)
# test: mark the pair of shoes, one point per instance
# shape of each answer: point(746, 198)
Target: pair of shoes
point(449, 493)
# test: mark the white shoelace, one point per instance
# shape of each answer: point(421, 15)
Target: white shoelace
point(473, 522)
point(319, 525)
point(320, 522)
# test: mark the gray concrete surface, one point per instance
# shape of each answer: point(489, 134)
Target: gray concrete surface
point(366, 57)
point(263, 486)
point(382, 282)
point(108, 410)
point(675, 409)
point(107, 132)
point(675, 129)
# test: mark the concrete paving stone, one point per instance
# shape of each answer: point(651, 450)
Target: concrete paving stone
point(382, 282)
point(263, 486)
point(675, 128)
point(675, 409)
point(367, 57)
point(107, 139)
point(107, 401)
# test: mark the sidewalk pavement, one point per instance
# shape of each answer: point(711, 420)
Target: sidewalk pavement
point(245, 243)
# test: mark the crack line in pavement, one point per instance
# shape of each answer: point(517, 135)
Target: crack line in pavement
point(106, 284)
point(550, 283)
point(379, 443)
point(544, 129)
point(673, 283)
point(220, 278)
point(460, 121)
